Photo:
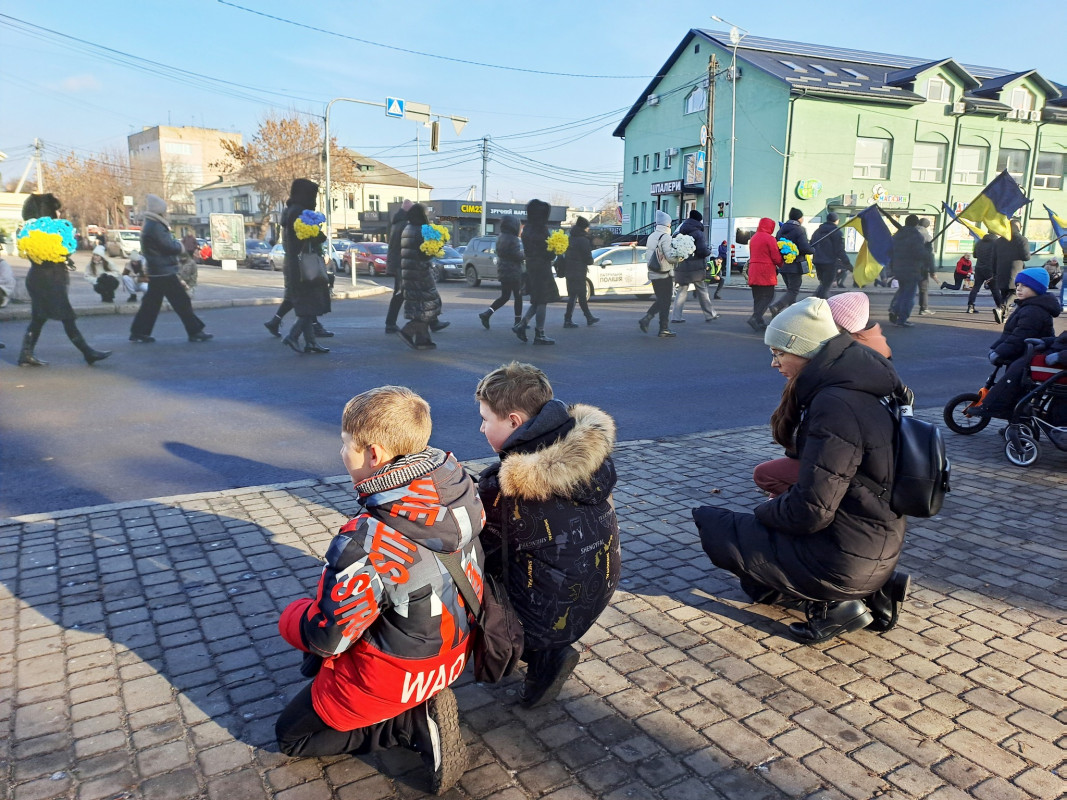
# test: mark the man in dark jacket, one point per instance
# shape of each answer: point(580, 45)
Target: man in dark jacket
point(160, 250)
point(911, 259)
point(392, 266)
point(983, 274)
point(578, 257)
point(509, 269)
point(793, 274)
point(828, 246)
point(1009, 259)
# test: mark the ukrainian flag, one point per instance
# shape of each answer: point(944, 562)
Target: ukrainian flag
point(1059, 228)
point(877, 245)
point(975, 232)
point(996, 204)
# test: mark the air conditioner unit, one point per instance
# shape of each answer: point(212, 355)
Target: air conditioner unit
point(672, 151)
point(1014, 113)
point(653, 99)
point(1035, 116)
point(959, 107)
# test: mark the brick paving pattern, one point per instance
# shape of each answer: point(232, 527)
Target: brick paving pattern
point(140, 656)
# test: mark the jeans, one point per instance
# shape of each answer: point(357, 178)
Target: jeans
point(761, 300)
point(702, 295)
point(581, 300)
point(827, 273)
point(537, 311)
point(904, 299)
point(994, 290)
point(777, 476)
point(792, 289)
point(924, 292)
point(507, 290)
point(169, 287)
point(662, 287)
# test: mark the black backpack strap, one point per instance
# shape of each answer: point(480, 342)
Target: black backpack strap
point(455, 569)
point(881, 491)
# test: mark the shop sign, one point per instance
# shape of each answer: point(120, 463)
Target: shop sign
point(666, 187)
point(808, 188)
point(882, 195)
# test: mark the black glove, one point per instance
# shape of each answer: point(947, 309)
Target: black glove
point(993, 357)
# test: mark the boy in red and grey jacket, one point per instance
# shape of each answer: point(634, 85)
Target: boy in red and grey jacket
point(387, 631)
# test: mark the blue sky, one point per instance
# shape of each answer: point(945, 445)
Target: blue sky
point(80, 98)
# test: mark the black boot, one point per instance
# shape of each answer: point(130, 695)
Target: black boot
point(274, 325)
point(321, 331)
point(827, 620)
point(886, 603)
point(26, 357)
point(998, 314)
point(666, 333)
point(484, 317)
point(519, 330)
point(91, 356)
point(644, 322)
point(540, 338)
point(591, 320)
point(567, 323)
point(292, 339)
point(438, 325)
point(971, 309)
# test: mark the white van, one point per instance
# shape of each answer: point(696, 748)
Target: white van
point(744, 227)
point(120, 243)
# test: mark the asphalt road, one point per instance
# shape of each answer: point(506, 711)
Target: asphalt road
point(174, 418)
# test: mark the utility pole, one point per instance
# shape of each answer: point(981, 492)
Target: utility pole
point(35, 161)
point(485, 165)
point(713, 66)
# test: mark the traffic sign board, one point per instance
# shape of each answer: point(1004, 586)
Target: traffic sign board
point(394, 107)
point(703, 135)
point(700, 164)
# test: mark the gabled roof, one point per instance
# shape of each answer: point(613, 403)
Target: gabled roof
point(993, 86)
point(853, 74)
point(903, 77)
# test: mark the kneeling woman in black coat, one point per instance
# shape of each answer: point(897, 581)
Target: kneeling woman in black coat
point(829, 543)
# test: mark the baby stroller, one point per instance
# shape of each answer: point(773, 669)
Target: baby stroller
point(1042, 410)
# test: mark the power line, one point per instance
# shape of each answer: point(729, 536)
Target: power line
point(350, 38)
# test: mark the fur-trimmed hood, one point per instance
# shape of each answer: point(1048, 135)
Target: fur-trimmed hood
point(570, 466)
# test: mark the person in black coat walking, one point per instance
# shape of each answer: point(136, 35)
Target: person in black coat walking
point(828, 246)
point(540, 280)
point(578, 257)
point(422, 302)
point(829, 542)
point(161, 250)
point(793, 274)
point(692, 271)
point(983, 275)
point(392, 266)
point(1009, 259)
point(912, 258)
point(509, 269)
point(310, 296)
point(47, 283)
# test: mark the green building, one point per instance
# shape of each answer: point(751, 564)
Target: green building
point(824, 128)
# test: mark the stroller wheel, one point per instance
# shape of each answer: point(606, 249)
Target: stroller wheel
point(1020, 447)
point(958, 415)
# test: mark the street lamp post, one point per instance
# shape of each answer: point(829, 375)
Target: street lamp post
point(736, 35)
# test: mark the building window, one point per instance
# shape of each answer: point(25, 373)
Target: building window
point(855, 74)
point(1014, 161)
point(633, 216)
point(1049, 173)
point(637, 164)
point(646, 164)
point(242, 204)
point(970, 165)
point(668, 159)
point(644, 214)
point(374, 202)
point(828, 72)
point(200, 207)
point(872, 158)
point(1022, 99)
point(938, 90)
point(655, 162)
point(351, 198)
point(696, 100)
point(928, 163)
point(793, 66)
point(398, 199)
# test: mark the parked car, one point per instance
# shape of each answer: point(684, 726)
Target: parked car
point(341, 248)
point(369, 257)
point(460, 248)
point(479, 260)
point(616, 270)
point(448, 265)
point(257, 254)
point(120, 243)
point(277, 257)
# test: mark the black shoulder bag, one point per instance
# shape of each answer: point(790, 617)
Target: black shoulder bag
point(498, 639)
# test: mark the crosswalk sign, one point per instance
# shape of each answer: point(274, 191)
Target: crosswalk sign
point(394, 107)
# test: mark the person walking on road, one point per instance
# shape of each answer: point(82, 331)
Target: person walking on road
point(1009, 259)
point(764, 260)
point(793, 274)
point(161, 251)
point(578, 257)
point(48, 280)
point(930, 274)
point(510, 259)
point(392, 266)
point(661, 276)
point(984, 275)
point(422, 302)
point(691, 272)
point(540, 280)
point(310, 295)
point(912, 259)
point(828, 244)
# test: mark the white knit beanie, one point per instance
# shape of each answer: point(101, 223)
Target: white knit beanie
point(802, 329)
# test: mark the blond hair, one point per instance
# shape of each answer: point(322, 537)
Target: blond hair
point(393, 417)
point(514, 387)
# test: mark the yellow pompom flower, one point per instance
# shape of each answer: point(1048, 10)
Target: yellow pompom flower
point(558, 242)
point(40, 247)
point(305, 231)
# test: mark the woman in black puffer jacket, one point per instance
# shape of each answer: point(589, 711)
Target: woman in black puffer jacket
point(509, 270)
point(829, 542)
point(422, 303)
point(310, 298)
point(540, 280)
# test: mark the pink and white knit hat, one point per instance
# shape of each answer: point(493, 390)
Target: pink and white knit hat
point(851, 310)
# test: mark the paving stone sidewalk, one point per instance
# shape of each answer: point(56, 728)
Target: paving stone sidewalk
point(139, 656)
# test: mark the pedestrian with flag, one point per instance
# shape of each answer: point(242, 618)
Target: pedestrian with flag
point(911, 259)
point(1010, 254)
point(983, 275)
